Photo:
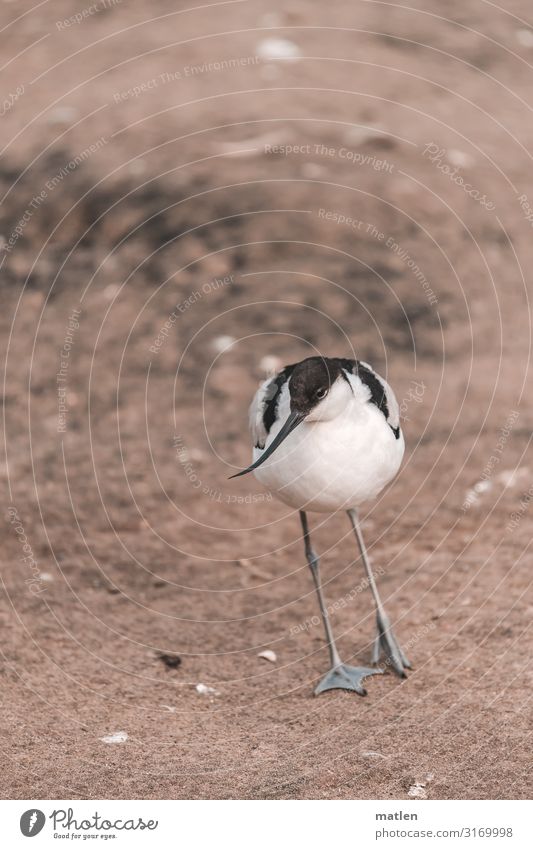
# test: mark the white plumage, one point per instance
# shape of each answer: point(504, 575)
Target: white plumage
point(327, 437)
point(343, 454)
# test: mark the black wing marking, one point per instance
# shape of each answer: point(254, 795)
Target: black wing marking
point(272, 396)
point(265, 406)
point(378, 389)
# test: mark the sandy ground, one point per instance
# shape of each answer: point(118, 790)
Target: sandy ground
point(153, 214)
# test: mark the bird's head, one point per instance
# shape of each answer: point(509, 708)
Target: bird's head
point(319, 391)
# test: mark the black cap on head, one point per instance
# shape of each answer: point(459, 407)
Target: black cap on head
point(311, 381)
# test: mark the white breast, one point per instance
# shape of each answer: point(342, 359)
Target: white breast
point(331, 465)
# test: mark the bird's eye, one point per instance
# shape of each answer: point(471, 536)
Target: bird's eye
point(321, 393)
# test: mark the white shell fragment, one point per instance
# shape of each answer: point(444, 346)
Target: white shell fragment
point(204, 690)
point(278, 48)
point(222, 343)
point(268, 654)
point(117, 737)
point(506, 478)
point(417, 791)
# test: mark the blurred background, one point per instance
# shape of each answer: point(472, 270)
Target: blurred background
point(192, 197)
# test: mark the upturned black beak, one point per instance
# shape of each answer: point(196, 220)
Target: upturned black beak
point(293, 421)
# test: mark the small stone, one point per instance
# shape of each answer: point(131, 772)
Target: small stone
point(117, 737)
point(278, 48)
point(417, 791)
point(171, 661)
point(268, 654)
point(222, 343)
point(204, 690)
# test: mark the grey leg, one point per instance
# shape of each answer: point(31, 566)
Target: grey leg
point(385, 641)
point(340, 676)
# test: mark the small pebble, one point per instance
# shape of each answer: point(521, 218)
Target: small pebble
point(204, 690)
point(268, 654)
point(417, 791)
point(172, 661)
point(222, 343)
point(278, 48)
point(117, 737)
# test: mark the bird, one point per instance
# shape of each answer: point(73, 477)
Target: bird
point(327, 437)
